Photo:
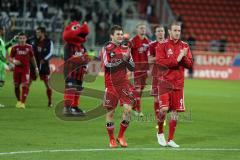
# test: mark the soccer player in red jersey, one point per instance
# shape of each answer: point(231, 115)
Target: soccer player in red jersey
point(160, 37)
point(43, 51)
point(176, 55)
point(21, 55)
point(116, 59)
point(159, 32)
point(139, 50)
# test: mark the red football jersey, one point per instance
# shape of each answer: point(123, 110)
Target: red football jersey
point(152, 48)
point(111, 54)
point(152, 52)
point(139, 52)
point(22, 54)
point(166, 55)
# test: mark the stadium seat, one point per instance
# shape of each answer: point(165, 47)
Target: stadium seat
point(209, 19)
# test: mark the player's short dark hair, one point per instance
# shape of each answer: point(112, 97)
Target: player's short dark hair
point(22, 34)
point(115, 28)
point(174, 23)
point(42, 29)
point(157, 26)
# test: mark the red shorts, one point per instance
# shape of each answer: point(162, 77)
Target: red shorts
point(21, 78)
point(126, 94)
point(140, 79)
point(173, 100)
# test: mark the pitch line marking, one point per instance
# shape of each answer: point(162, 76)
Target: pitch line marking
point(121, 149)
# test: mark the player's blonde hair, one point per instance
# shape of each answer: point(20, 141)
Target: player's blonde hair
point(141, 24)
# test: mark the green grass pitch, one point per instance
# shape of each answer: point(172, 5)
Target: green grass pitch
point(208, 130)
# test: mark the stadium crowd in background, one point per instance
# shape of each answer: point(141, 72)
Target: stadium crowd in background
point(99, 15)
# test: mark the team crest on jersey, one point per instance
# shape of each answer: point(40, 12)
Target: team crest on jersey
point(143, 48)
point(78, 54)
point(169, 52)
point(112, 54)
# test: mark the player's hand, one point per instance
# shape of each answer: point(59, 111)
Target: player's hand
point(180, 56)
point(17, 62)
point(36, 72)
point(185, 51)
point(15, 38)
point(42, 61)
point(126, 55)
point(9, 66)
point(149, 73)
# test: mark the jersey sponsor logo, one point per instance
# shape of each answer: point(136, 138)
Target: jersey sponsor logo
point(112, 54)
point(107, 101)
point(143, 48)
point(78, 53)
point(21, 52)
point(114, 60)
point(169, 52)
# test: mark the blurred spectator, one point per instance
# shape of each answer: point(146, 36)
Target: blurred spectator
point(222, 44)
point(55, 14)
point(149, 11)
point(39, 16)
point(44, 8)
point(33, 10)
point(214, 45)
point(129, 11)
point(102, 27)
point(191, 41)
point(179, 18)
point(117, 18)
point(5, 20)
point(119, 3)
